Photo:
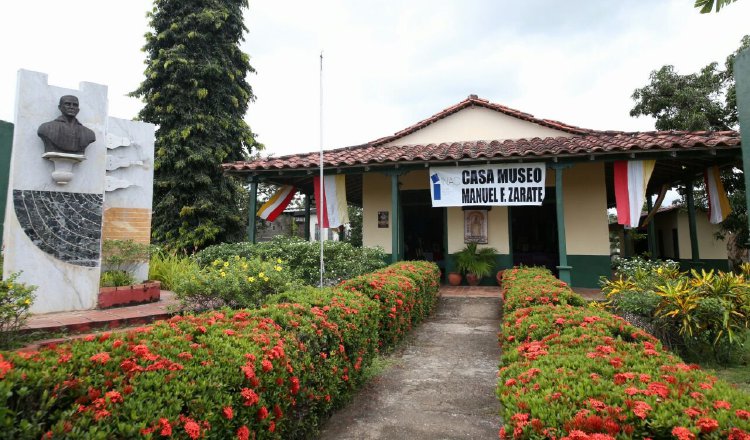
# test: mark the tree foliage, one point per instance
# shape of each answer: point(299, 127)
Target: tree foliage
point(705, 100)
point(706, 6)
point(684, 102)
point(355, 224)
point(196, 93)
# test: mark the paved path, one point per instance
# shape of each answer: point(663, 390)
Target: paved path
point(79, 323)
point(86, 320)
point(441, 383)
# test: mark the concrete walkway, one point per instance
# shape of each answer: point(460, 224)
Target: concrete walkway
point(75, 325)
point(441, 382)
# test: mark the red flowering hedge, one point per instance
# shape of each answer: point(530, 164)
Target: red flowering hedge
point(407, 292)
point(273, 372)
point(572, 372)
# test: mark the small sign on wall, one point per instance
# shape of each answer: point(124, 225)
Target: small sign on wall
point(475, 226)
point(382, 219)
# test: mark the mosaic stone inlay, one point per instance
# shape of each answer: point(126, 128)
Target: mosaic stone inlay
point(65, 225)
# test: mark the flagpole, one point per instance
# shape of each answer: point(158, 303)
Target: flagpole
point(322, 186)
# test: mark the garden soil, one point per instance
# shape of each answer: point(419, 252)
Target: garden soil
point(440, 383)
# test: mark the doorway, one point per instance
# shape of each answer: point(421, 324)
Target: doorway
point(423, 227)
point(533, 234)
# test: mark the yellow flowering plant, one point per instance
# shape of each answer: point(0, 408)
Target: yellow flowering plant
point(16, 299)
point(235, 282)
point(302, 258)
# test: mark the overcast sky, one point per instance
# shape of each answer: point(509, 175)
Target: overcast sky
point(389, 64)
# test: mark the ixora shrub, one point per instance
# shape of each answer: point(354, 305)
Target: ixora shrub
point(15, 301)
point(695, 312)
point(535, 285)
point(266, 373)
point(342, 260)
point(237, 282)
point(407, 292)
point(571, 372)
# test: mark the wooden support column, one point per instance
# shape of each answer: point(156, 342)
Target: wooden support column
point(308, 198)
point(395, 219)
point(626, 241)
point(691, 220)
point(6, 146)
point(252, 210)
point(651, 229)
point(742, 79)
point(563, 269)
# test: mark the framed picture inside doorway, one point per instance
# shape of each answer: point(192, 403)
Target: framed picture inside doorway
point(475, 226)
point(382, 219)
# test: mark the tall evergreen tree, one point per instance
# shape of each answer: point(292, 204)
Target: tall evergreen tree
point(196, 93)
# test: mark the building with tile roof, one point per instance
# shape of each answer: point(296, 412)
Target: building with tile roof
point(390, 178)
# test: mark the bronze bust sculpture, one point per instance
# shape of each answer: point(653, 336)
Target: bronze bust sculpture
point(65, 134)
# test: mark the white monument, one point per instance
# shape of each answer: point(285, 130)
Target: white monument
point(59, 187)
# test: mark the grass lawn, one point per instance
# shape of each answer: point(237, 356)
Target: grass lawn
point(738, 375)
point(739, 372)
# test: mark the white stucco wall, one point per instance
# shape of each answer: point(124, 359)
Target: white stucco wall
point(376, 196)
point(477, 123)
point(418, 179)
point(497, 229)
point(585, 201)
point(709, 248)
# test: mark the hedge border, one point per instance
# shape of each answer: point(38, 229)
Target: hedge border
point(273, 372)
point(574, 372)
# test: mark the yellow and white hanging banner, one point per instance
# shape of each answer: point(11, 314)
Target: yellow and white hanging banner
point(330, 201)
point(718, 203)
point(277, 203)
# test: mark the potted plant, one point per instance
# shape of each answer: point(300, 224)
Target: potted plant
point(454, 278)
point(475, 263)
point(121, 259)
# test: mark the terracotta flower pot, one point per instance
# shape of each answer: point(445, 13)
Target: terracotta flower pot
point(454, 278)
point(473, 279)
point(149, 291)
point(499, 277)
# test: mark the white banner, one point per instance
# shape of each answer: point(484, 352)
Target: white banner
point(481, 185)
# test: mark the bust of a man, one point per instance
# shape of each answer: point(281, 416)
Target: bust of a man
point(65, 134)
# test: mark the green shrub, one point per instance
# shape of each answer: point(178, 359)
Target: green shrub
point(696, 313)
point(169, 269)
point(15, 301)
point(644, 271)
point(642, 303)
point(116, 278)
point(237, 283)
point(119, 260)
point(342, 260)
